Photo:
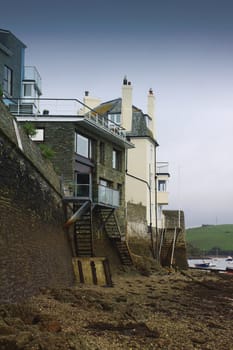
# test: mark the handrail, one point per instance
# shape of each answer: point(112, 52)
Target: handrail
point(62, 107)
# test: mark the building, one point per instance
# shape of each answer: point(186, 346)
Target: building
point(141, 173)
point(163, 175)
point(17, 80)
point(89, 156)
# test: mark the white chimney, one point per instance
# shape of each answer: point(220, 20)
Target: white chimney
point(126, 107)
point(151, 110)
point(90, 102)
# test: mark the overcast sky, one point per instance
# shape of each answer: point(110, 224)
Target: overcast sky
point(183, 49)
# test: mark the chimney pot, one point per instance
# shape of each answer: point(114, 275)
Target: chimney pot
point(86, 93)
point(125, 80)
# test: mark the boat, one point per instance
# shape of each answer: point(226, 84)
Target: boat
point(229, 269)
point(229, 258)
point(203, 265)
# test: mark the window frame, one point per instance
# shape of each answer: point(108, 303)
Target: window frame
point(162, 186)
point(112, 119)
point(88, 151)
point(8, 80)
point(116, 159)
point(102, 153)
point(40, 137)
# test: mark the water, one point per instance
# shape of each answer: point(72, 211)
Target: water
point(220, 263)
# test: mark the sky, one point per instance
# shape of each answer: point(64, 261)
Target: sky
point(182, 49)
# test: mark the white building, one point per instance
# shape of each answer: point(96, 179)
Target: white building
point(139, 127)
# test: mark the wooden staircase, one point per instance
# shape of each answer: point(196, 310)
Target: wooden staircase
point(168, 239)
point(83, 237)
point(112, 229)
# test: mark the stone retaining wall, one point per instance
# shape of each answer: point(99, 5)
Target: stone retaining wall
point(34, 248)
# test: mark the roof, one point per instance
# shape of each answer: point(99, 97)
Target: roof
point(139, 126)
point(7, 32)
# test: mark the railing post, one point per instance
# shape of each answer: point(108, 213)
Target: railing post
point(18, 107)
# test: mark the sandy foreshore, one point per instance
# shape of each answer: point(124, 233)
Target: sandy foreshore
point(166, 310)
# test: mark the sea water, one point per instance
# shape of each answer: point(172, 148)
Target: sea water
point(220, 263)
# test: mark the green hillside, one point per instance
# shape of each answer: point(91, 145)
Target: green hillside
point(208, 237)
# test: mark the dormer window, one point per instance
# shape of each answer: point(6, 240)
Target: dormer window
point(148, 121)
point(114, 120)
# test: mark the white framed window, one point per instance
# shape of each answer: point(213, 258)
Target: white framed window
point(162, 185)
point(27, 90)
point(39, 136)
point(114, 119)
point(83, 146)
point(148, 121)
point(116, 159)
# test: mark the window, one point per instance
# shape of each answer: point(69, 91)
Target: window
point(105, 183)
point(162, 186)
point(39, 136)
point(148, 121)
point(114, 120)
point(83, 185)
point(116, 159)
point(83, 146)
point(102, 153)
point(119, 188)
point(27, 90)
point(8, 80)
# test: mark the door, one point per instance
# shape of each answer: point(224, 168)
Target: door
point(83, 185)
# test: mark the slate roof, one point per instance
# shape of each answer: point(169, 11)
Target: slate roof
point(4, 37)
point(139, 127)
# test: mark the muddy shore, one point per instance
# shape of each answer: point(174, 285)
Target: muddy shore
point(166, 310)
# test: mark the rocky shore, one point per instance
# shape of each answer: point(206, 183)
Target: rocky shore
point(166, 310)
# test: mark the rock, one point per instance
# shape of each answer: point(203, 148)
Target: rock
point(5, 329)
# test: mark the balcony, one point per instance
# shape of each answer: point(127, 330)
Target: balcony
point(32, 74)
point(162, 198)
point(75, 192)
point(108, 196)
point(162, 168)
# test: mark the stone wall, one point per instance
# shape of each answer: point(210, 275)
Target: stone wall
point(34, 248)
point(136, 221)
point(174, 228)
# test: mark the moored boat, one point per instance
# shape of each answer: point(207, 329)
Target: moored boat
point(203, 265)
point(229, 258)
point(229, 269)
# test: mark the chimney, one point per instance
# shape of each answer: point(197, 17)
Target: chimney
point(151, 110)
point(89, 101)
point(126, 106)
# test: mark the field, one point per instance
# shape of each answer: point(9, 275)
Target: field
point(211, 236)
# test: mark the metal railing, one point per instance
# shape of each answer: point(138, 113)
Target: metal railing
point(108, 196)
point(106, 123)
point(162, 168)
point(31, 73)
point(74, 190)
point(63, 108)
